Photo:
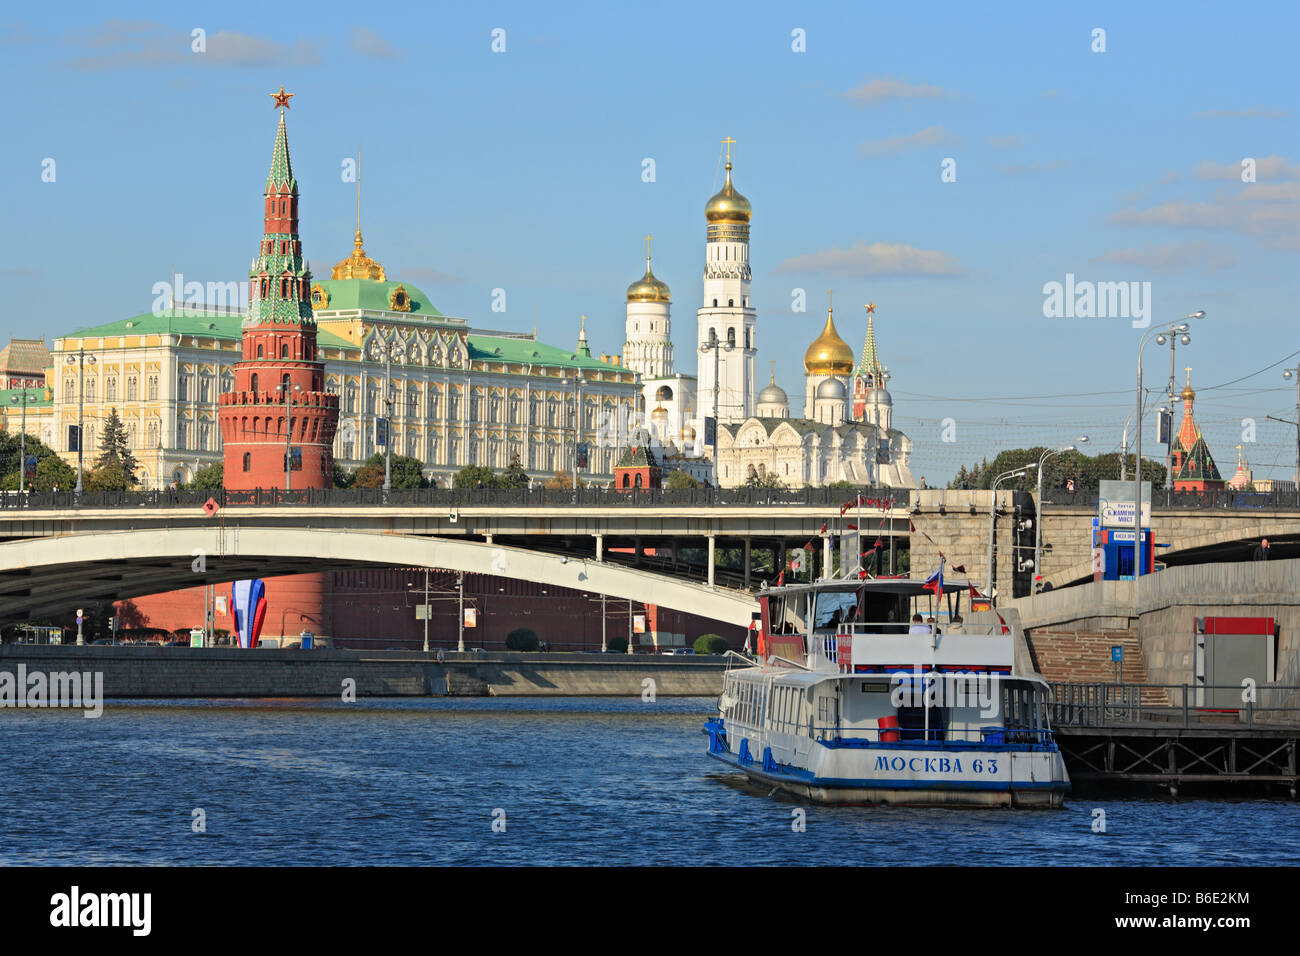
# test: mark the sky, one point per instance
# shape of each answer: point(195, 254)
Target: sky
point(946, 162)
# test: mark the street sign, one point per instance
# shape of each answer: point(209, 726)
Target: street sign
point(1117, 653)
point(74, 438)
point(210, 507)
point(582, 455)
point(711, 432)
point(423, 612)
point(1115, 504)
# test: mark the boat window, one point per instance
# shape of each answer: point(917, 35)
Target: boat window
point(792, 621)
point(835, 608)
point(913, 721)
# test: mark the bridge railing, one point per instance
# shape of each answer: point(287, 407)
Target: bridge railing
point(1174, 705)
point(1163, 499)
point(452, 498)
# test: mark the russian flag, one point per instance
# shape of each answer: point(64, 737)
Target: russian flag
point(935, 581)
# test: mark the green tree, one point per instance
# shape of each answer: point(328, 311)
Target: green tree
point(114, 469)
point(678, 480)
point(342, 477)
point(475, 476)
point(207, 479)
point(514, 476)
point(522, 639)
point(711, 644)
point(768, 482)
point(407, 472)
point(51, 470)
point(563, 481)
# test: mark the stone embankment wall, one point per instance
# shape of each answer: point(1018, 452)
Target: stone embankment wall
point(1071, 630)
point(231, 672)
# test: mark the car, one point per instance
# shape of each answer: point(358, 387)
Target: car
point(684, 652)
point(177, 644)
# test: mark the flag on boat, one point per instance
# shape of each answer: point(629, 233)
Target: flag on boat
point(935, 581)
point(749, 634)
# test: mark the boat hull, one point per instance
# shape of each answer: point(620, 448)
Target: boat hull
point(863, 778)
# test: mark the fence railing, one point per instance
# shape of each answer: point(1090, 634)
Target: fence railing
point(452, 498)
point(1181, 705)
point(1163, 499)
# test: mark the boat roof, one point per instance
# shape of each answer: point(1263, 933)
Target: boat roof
point(912, 587)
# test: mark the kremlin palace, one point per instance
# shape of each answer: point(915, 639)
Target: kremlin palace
point(455, 395)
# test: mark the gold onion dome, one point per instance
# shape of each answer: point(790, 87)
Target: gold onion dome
point(358, 265)
point(728, 205)
point(829, 354)
point(648, 288)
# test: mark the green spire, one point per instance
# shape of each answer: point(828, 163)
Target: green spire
point(281, 174)
point(870, 362)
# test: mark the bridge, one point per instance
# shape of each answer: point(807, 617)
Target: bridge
point(655, 546)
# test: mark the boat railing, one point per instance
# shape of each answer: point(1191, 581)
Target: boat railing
point(991, 736)
point(896, 628)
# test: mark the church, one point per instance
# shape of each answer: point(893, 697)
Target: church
point(845, 432)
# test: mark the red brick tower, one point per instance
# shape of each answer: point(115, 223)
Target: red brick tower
point(279, 356)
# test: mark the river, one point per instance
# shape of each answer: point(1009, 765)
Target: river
point(569, 781)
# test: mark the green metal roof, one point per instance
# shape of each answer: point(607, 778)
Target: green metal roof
point(500, 348)
point(220, 325)
point(35, 398)
point(371, 295)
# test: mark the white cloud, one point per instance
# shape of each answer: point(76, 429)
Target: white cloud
point(370, 43)
point(1266, 167)
point(876, 259)
point(887, 89)
point(1270, 214)
point(892, 145)
point(1172, 257)
point(127, 44)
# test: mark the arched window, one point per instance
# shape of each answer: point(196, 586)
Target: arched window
point(715, 303)
point(731, 336)
point(625, 480)
point(252, 383)
point(284, 351)
point(638, 479)
point(731, 303)
point(259, 351)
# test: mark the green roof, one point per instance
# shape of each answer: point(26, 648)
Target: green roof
point(500, 348)
point(220, 325)
point(35, 397)
point(371, 295)
point(637, 456)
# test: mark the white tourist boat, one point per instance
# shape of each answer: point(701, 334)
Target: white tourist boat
point(850, 702)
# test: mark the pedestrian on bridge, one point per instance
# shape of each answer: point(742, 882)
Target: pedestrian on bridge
point(1262, 552)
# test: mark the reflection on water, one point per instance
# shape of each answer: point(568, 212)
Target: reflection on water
point(581, 780)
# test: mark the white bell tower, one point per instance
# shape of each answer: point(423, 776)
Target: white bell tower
point(726, 318)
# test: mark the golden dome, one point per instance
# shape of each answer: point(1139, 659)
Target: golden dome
point(829, 354)
point(688, 433)
point(648, 288)
point(1188, 394)
point(358, 265)
point(728, 205)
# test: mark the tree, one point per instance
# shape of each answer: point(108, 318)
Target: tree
point(514, 476)
point(210, 478)
point(406, 472)
point(678, 480)
point(51, 470)
point(1085, 471)
point(522, 639)
point(115, 467)
point(562, 481)
point(767, 482)
point(342, 477)
point(475, 476)
point(711, 644)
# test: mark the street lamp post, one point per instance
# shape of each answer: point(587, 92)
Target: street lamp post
point(993, 517)
point(1288, 375)
point(389, 348)
point(1175, 338)
point(426, 610)
point(1038, 518)
point(80, 359)
point(1177, 327)
point(460, 613)
point(715, 346)
point(288, 434)
point(22, 442)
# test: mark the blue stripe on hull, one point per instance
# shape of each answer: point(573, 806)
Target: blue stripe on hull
point(806, 778)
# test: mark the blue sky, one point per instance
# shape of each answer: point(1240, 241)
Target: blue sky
point(522, 170)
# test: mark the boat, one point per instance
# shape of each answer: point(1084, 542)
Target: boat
point(851, 699)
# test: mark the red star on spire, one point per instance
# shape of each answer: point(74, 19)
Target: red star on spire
point(282, 98)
